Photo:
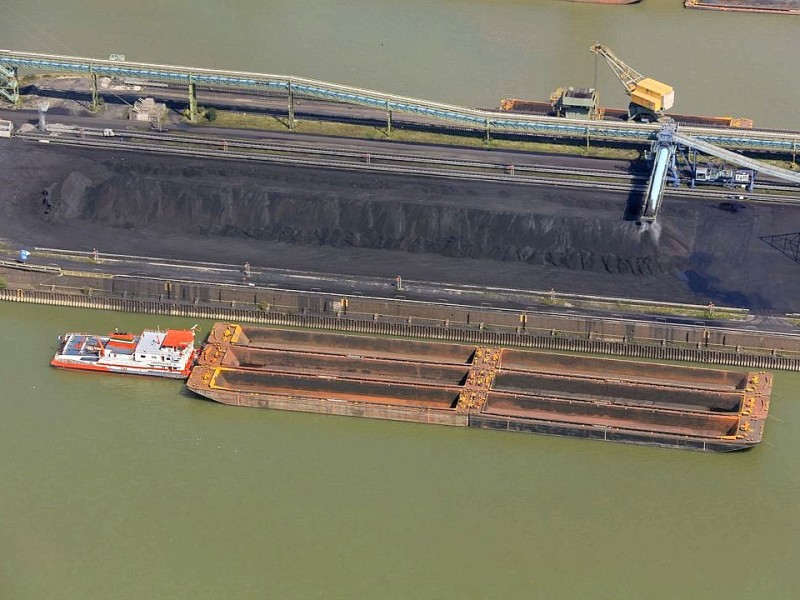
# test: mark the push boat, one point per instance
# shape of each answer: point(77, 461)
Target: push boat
point(169, 353)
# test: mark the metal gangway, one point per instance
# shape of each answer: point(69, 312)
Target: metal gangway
point(497, 121)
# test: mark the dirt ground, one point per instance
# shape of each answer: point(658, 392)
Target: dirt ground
point(383, 225)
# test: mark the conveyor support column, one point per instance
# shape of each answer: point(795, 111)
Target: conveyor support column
point(291, 106)
point(95, 98)
point(192, 100)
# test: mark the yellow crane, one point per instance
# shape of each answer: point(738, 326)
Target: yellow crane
point(649, 98)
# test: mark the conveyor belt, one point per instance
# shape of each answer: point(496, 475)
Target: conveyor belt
point(490, 120)
point(737, 159)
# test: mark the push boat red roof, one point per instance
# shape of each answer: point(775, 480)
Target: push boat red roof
point(168, 353)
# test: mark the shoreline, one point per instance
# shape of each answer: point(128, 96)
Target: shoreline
point(524, 328)
point(791, 7)
point(608, 1)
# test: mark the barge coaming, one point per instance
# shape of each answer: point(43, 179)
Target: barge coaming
point(485, 387)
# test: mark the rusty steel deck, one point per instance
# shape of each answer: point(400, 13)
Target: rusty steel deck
point(487, 387)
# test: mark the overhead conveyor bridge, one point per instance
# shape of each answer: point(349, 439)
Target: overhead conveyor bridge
point(11, 61)
point(737, 159)
point(663, 152)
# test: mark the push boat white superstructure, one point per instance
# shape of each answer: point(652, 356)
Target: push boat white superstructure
point(169, 353)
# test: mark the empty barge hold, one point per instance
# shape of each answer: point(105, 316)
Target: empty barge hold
point(475, 386)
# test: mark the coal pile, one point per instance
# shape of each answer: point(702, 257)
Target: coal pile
point(447, 230)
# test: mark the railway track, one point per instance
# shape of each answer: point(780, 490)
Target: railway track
point(417, 166)
point(371, 157)
point(402, 164)
point(451, 295)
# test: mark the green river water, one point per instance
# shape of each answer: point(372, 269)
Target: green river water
point(127, 487)
point(469, 52)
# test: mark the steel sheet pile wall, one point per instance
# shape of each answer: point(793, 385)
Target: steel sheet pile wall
point(597, 335)
point(464, 324)
point(479, 386)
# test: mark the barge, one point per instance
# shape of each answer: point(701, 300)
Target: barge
point(168, 353)
point(540, 108)
point(781, 7)
point(486, 387)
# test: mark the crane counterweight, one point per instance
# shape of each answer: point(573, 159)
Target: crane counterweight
point(653, 94)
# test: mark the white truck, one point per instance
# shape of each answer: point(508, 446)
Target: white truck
point(6, 128)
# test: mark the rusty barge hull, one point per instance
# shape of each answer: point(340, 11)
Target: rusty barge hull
point(536, 107)
point(781, 7)
point(485, 387)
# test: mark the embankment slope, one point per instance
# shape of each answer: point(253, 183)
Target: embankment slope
point(378, 224)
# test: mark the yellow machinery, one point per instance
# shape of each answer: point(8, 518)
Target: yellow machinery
point(649, 98)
